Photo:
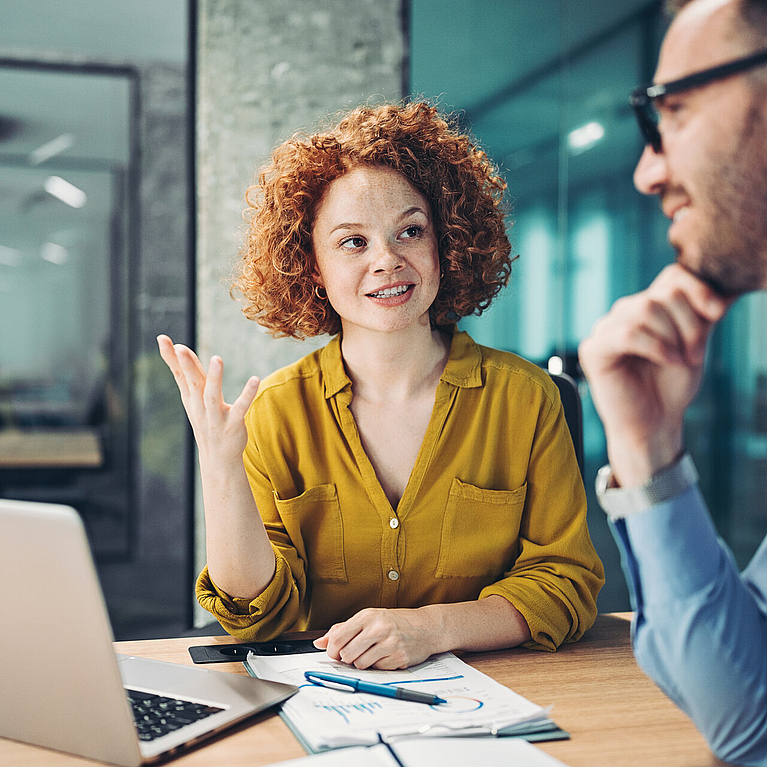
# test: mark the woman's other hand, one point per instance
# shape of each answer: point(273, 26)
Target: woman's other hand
point(219, 428)
point(398, 638)
point(381, 638)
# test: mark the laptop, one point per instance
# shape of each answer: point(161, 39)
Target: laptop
point(63, 687)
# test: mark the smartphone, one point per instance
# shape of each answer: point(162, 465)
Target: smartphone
point(226, 653)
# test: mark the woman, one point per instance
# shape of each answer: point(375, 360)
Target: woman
point(402, 488)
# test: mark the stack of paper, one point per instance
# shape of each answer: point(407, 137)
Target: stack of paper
point(325, 718)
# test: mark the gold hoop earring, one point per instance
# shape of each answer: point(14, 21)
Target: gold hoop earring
point(322, 296)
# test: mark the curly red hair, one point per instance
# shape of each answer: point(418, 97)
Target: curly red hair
point(462, 185)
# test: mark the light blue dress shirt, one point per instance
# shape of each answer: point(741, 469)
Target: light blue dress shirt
point(700, 627)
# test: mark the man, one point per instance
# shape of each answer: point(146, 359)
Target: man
point(700, 628)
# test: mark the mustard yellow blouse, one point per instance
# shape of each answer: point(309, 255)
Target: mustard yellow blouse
point(495, 503)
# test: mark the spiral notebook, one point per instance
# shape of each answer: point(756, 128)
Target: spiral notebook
point(323, 718)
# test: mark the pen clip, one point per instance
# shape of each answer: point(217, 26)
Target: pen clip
point(330, 684)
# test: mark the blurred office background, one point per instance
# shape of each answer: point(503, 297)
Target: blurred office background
point(128, 135)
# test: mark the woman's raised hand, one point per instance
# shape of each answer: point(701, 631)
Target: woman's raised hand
point(240, 557)
point(219, 428)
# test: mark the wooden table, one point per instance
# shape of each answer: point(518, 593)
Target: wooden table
point(615, 715)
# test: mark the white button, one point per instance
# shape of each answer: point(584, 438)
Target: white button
point(393, 575)
point(393, 523)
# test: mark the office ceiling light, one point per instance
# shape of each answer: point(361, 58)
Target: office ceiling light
point(9, 256)
point(583, 138)
point(54, 253)
point(66, 192)
point(51, 148)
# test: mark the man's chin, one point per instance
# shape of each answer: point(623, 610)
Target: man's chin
point(725, 290)
point(721, 284)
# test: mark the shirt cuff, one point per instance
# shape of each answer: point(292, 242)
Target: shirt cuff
point(238, 614)
point(556, 611)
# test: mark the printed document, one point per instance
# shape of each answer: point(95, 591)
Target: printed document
point(330, 718)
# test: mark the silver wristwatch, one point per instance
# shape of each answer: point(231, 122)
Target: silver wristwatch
point(619, 502)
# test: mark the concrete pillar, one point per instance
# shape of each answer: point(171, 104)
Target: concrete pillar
point(267, 68)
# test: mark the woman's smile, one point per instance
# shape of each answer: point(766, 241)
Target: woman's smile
point(393, 295)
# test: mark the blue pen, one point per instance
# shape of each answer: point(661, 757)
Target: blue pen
point(359, 685)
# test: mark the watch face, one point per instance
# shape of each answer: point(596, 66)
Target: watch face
point(603, 481)
point(617, 501)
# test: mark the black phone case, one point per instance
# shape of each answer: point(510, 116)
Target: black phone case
point(226, 653)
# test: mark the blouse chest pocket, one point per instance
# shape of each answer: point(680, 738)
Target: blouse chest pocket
point(480, 531)
point(313, 522)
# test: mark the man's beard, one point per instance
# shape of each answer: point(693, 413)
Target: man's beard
point(733, 257)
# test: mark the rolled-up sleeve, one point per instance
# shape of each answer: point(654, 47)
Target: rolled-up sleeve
point(272, 612)
point(557, 574)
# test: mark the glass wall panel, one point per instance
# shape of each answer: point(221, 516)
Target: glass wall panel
point(97, 258)
point(544, 88)
point(65, 158)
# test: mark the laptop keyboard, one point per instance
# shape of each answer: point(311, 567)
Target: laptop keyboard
point(156, 715)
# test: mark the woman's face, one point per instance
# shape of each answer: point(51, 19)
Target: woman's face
point(376, 250)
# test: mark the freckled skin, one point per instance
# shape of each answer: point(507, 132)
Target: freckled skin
point(374, 230)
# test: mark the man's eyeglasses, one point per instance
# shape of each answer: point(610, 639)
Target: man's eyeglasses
point(643, 99)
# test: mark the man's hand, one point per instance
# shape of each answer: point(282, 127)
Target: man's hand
point(383, 639)
point(644, 362)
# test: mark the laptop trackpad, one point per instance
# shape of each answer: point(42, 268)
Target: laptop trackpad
point(155, 675)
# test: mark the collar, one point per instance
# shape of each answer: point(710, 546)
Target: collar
point(464, 365)
point(334, 376)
